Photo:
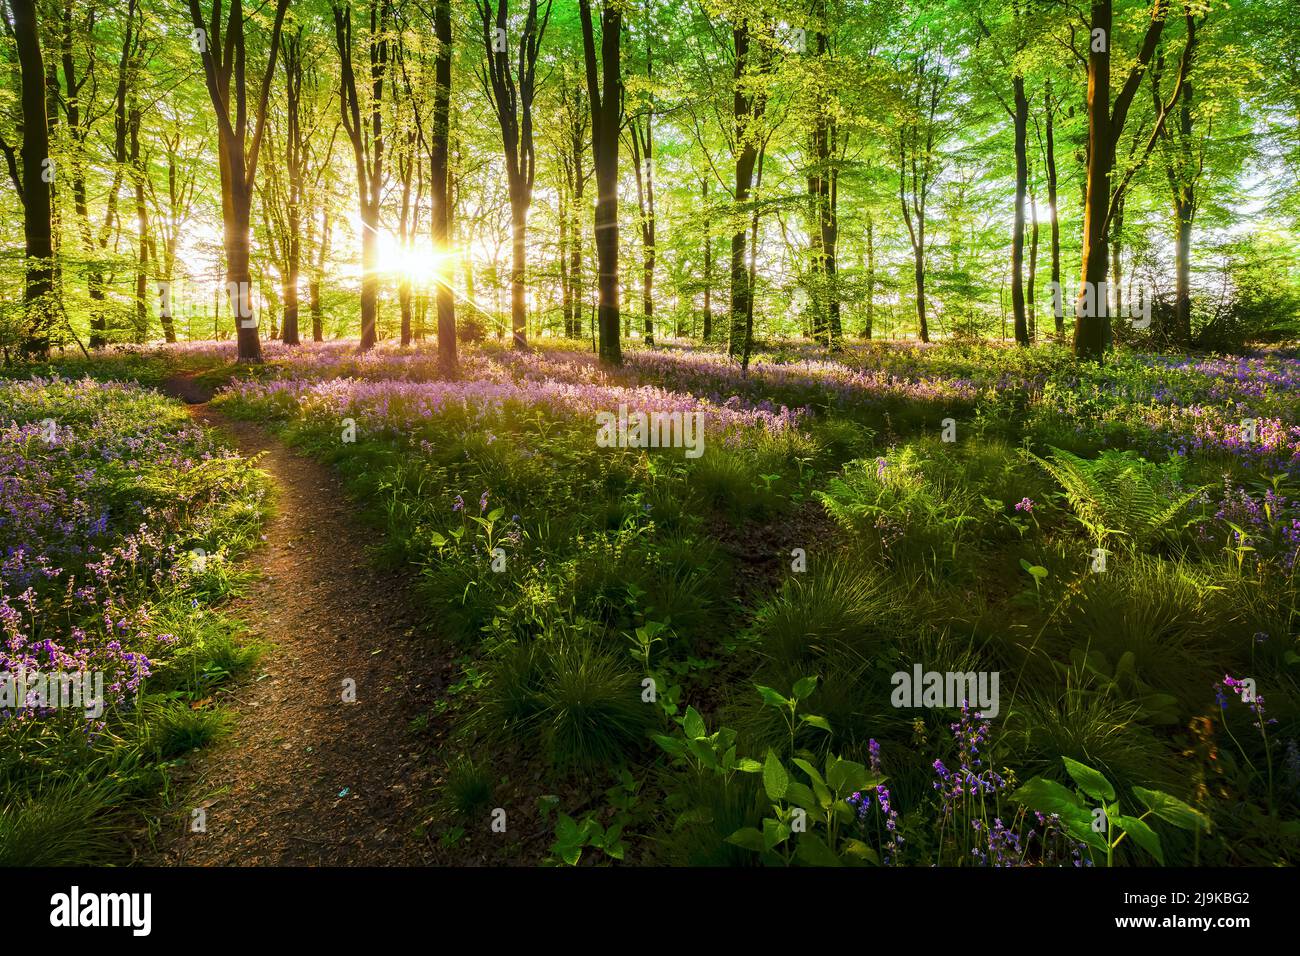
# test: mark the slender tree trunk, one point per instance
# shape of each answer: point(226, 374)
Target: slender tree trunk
point(138, 174)
point(369, 275)
point(1033, 269)
point(708, 266)
point(1051, 202)
point(604, 88)
point(37, 204)
point(440, 186)
point(1092, 330)
point(1021, 118)
point(313, 286)
point(1116, 262)
point(868, 330)
point(518, 269)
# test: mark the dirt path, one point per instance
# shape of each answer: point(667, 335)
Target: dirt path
point(305, 778)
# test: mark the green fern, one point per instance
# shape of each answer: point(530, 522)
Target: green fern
point(1119, 494)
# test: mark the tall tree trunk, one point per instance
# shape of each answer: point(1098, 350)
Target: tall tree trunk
point(1116, 290)
point(643, 162)
point(369, 275)
point(1032, 279)
point(1021, 118)
point(295, 149)
point(313, 285)
point(518, 268)
point(37, 205)
point(440, 185)
point(869, 330)
point(566, 287)
point(223, 60)
point(708, 266)
point(604, 89)
point(744, 107)
point(1092, 331)
point(138, 174)
point(1050, 163)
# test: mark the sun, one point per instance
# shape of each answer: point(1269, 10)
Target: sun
point(421, 263)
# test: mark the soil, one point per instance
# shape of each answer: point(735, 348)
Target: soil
point(305, 778)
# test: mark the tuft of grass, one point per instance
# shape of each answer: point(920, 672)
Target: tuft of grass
point(840, 608)
point(467, 788)
point(173, 727)
point(69, 821)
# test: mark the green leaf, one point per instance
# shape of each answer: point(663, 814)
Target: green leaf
point(814, 851)
point(771, 697)
point(1143, 836)
point(801, 796)
point(821, 723)
point(1090, 781)
point(438, 539)
point(693, 724)
point(774, 833)
point(749, 838)
point(859, 851)
point(1172, 810)
point(748, 765)
point(775, 780)
point(809, 769)
point(495, 514)
point(804, 687)
point(845, 776)
point(1048, 797)
point(673, 745)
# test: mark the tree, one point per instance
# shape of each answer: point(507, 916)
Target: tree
point(925, 84)
point(604, 87)
point(439, 185)
point(511, 92)
point(1103, 197)
point(37, 174)
point(367, 138)
point(224, 70)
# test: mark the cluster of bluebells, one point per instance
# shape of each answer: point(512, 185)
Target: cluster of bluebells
point(77, 542)
point(971, 778)
point(888, 815)
point(399, 391)
point(1269, 521)
point(1242, 690)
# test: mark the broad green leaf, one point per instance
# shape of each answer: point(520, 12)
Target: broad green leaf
point(1048, 797)
point(809, 769)
point(771, 697)
point(775, 779)
point(748, 765)
point(693, 724)
point(1090, 781)
point(821, 723)
point(749, 838)
point(774, 833)
point(438, 539)
point(1143, 836)
point(673, 745)
point(812, 850)
point(845, 776)
point(801, 796)
point(860, 851)
point(803, 687)
point(1172, 810)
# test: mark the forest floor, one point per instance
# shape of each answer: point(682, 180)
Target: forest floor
point(304, 778)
